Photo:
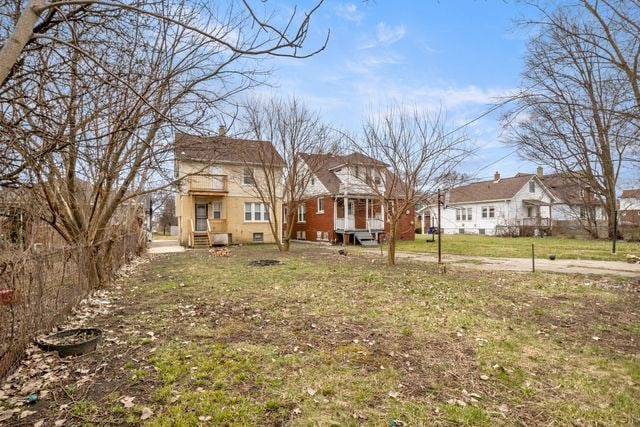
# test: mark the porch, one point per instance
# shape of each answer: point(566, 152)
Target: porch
point(361, 221)
point(208, 224)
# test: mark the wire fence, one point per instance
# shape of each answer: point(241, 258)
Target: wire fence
point(37, 290)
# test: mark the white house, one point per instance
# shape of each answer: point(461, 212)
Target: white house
point(499, 206)
point(630, 207)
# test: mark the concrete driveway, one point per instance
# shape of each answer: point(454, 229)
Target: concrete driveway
point(165, 247)
point(614, 268)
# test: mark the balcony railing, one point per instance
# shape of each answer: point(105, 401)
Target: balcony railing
point(212, 183)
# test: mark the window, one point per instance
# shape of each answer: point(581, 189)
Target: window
point(532, 186)
point(461, 231)
point(313, 180)
point(463, 214)
point(320, 205)
point(302, 213)
point(322, 235)
point(216, 207)
point(488, 212)
point(376, 179)
point(530, 211)
point(258, 237)
point(357, 172)
point(301, 235)
point(247, 177)
point(482, 231)
point(285, 214)
point(256, 212)
point(583, 212)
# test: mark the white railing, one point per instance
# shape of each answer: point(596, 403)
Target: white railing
point(375, 224)
point(340, 224)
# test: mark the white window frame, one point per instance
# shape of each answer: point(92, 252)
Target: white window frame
point(488, 212)
point(469, 214)
point(257, 210)
point(218, 211)
point(302, 213)
point(319, 202)
point(247, 176)
point(532, 186)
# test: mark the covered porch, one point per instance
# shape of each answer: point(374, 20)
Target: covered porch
point(207, 224)
point(356, 217)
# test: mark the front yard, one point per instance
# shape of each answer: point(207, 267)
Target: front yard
point(325, 339)
point(520, 247)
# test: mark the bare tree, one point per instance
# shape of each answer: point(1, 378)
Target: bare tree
point(295, 131)
point(575, 113)
point(109, 102)
point(167, 206)
point(37, 38)
point(419, 152)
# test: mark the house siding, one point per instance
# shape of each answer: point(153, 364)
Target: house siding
point(316, 221)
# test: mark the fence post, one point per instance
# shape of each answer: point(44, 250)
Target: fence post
point(533, 257)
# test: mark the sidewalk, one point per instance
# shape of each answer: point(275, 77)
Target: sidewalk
point(615, 268)
point(165, 247)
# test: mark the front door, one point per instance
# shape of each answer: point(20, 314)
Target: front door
point(202, 212)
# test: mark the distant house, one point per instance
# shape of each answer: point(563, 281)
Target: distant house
point(217, 201)
point(630, 207)
point(517, 205)
point(577, 208)
point(341, 204)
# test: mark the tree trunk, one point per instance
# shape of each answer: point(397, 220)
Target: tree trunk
point(391, 253)
point(16, 42)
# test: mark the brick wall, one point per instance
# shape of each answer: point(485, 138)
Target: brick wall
point(316, 221)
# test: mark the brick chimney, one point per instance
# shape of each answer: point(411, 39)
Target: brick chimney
point(496, 176)
point(222, 130)
point(539, 171)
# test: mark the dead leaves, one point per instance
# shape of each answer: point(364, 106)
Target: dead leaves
point(127, 402)
point(146, 413)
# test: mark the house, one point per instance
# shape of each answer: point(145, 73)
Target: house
point(217, 202)
point(520, 205)
point(342, 203)
point(577, 208)
point(630, 207)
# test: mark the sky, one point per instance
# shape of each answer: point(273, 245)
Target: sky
point(458, 55)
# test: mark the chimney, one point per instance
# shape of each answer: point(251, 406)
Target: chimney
point(539, 171)
point(222, 130)
point(496, 176)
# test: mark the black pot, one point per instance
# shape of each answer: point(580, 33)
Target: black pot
point(75, 349)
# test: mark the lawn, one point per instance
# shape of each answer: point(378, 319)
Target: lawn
point(520, 247)
point(330, 340)
point(161, 236)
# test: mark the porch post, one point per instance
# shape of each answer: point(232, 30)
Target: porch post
point(366, 213)
point(346, 219)
point(335, 212)
point(422, 222)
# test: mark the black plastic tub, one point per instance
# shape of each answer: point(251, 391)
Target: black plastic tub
point(86, 343)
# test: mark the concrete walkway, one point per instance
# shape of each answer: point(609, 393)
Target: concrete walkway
point(614, 268)
point(165, 247)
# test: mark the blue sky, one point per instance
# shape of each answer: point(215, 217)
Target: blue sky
point(461, 55)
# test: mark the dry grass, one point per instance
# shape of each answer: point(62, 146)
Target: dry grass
point(323, 339)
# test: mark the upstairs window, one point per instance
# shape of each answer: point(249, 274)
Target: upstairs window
point(320, 205)
point(532, 186)
point(247, 177)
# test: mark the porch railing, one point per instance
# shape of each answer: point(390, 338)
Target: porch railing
point(205, 182)
point(340, 224)
point(536, 222)
point(375, 224)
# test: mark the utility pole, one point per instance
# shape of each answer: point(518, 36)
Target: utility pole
point(439, 231)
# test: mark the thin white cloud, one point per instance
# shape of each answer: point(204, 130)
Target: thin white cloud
point(349, 11)
point(388, 35)
point(384, 36)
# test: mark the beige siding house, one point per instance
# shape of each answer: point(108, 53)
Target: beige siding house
point(217, 202)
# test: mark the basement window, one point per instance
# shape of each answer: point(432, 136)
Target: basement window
point(258, 237)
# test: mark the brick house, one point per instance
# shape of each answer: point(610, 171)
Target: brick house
point(342, 203)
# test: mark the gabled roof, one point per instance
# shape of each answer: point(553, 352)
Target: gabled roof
point(224, 149)
point(503, 189)
point(568, 187)
point(631, 194)
point(324, 166)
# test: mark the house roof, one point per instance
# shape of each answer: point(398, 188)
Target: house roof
point(503, 189)
point(324, 166)
point(631, 194)
point(225, 150)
